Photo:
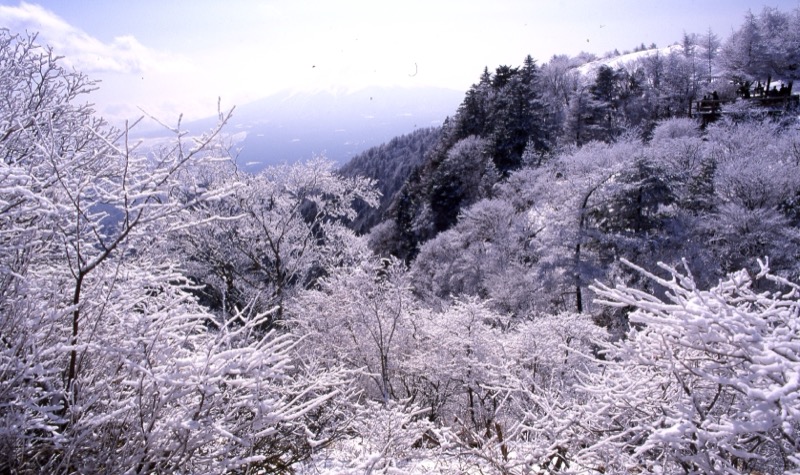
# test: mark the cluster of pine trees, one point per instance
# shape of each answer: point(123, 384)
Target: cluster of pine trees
point(569, 277)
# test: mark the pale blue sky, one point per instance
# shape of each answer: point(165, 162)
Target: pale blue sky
point(179, 56)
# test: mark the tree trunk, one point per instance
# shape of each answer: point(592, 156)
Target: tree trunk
point(73, 354)
point(578, 295)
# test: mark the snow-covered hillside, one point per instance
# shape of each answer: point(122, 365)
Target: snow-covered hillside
point(615, 62)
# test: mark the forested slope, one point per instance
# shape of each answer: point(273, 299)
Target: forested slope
point(523, 116)
point(389, 165)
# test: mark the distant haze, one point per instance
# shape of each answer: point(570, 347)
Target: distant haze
point(288, 127)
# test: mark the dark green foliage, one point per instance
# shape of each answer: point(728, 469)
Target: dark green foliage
point(605, 87)
point(390, 165)
point(636, 209)
point(503, 114)
point(403, 212)
point(601, 118)
point(518, 117)
point(701, 188)
point(506, 108)
point(445, 198)
point(474, 111)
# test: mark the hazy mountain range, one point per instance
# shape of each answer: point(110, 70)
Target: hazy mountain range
point(287, 127)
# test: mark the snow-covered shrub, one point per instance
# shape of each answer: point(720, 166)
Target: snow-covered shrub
point(675, 128)
point(707, 381)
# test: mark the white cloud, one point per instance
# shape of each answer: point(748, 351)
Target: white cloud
point(125, 54)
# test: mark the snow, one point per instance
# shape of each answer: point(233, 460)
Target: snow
point(589, 69)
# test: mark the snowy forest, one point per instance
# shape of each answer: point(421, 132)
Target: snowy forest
point(592, 267)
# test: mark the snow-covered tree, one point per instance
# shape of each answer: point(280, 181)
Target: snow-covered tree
point(108, 364)
point(705, 382)
point(363, 317)
point(569, 192)
point(485, 255)
point(764, 48)
point(709, 49)
point(756, 178)
point(385, 438)
point(465, 175)
point(278, 230)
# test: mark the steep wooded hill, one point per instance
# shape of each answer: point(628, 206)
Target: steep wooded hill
point(389, 165)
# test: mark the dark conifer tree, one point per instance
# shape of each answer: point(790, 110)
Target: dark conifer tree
point(519, 116)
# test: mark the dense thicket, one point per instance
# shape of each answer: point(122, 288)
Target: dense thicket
point(108, 363)
point(581, 283)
